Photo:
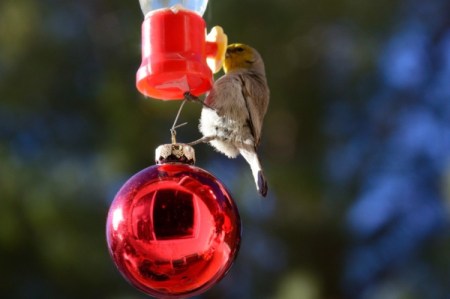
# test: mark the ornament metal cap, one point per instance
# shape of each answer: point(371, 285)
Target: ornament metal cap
point(175, 153)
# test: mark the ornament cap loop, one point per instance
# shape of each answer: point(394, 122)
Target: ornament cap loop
point(175, 153)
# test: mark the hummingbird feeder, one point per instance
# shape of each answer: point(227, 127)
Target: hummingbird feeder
point(177, 55)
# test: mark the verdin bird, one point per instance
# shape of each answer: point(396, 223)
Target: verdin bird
point(233, 114)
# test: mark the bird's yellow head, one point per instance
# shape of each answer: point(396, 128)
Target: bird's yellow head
point(241, 57)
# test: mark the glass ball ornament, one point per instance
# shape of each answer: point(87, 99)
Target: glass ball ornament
point(173, 230)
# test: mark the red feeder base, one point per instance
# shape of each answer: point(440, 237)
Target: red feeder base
point(174, 52)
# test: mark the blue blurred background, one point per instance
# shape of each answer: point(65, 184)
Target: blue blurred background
point(356, 147)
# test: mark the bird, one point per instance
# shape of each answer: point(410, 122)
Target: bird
point(231, 119)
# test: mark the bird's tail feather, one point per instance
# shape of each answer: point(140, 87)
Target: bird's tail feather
point(262, 184)
point(252, 159)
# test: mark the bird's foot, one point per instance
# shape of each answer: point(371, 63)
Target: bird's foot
point(205, 139)
point(188, 96)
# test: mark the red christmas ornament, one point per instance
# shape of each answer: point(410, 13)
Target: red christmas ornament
point(173, 230)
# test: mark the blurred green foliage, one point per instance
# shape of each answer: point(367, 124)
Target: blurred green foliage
point(73, 128)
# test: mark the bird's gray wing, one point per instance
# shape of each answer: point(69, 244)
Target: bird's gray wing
point(256, 95)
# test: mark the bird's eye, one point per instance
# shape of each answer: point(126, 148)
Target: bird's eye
point(239, 49)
